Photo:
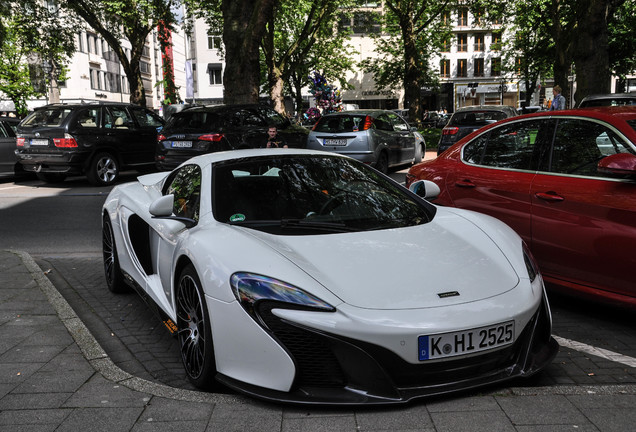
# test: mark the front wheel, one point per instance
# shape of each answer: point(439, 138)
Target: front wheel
point(194, 331)
point(112, 271)
point(103, 170)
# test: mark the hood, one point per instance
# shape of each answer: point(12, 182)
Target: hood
point(405, 268)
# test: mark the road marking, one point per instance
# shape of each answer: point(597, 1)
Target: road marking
point(598, 352)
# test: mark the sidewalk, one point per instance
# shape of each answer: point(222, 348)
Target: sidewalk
point(54, 376)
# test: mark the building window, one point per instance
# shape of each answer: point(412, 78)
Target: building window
point(144, 67)
point(479, 42)
point(462, 17)
point(462, 69)
point(214, 42)
point(96, 79)
point(215, 72)
point(145, 51)
point(81, 47)
point(365, 22)
point(479, 67)
point(444, 68)
point(446, 45)
point(496, 41)
point(462, 42)
point(495, 66)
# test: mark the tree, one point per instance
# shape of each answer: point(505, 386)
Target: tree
point(132, 20)
point(530, 51)
point(622, 43)
point(413, 30)
point(300, 35)
point(32, 35)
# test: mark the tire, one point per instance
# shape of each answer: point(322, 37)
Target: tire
point(382, 164)
point(194, 331)
point(112, 271)
point(103, 170)
point(51, 177)
point(419, 152)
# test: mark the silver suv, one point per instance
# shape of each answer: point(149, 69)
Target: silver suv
point(377, 137)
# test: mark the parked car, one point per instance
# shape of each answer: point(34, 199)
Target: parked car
point(380, 138)
point(207, 129)
point(96, 139)
point(612, 99)
point(306, 276)
point(565, 181)
point(8, 161)
point(468, 119)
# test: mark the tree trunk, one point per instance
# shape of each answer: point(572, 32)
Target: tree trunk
point(591, 54)
point(276, 91)
point(243, 29)
point(412, 91)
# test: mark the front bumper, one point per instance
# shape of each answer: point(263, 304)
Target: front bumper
point(334, 370)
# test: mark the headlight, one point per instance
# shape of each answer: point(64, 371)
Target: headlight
point(250, 288)
point(531, 263)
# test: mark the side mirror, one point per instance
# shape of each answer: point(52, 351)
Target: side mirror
point(618, 165)
point(162, 207)
point(425, 189)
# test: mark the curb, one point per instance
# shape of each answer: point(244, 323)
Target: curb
point(101, 362)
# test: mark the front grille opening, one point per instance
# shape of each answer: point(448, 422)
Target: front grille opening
point(316, 364)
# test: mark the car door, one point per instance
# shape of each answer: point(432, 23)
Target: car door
point(185, 184)
point(120, 136)
point(7, 147)
point(497, 171)
point(386, 136)
point(404, 137)
point(148, 125)
point(583, 221)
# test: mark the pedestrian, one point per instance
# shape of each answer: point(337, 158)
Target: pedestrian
point(559, 100)
point(273, 139)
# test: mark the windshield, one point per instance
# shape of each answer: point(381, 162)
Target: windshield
point(311, 195)
point(197, 121)
point(340, 123)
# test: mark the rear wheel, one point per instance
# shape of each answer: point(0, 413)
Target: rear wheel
point(112, 271)
point(382, 164)
point(51, 177)
point(195, 334)
point(103, 170)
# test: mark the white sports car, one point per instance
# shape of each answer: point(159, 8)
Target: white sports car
point(308, 277)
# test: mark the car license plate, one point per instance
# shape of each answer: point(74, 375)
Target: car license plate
point(335, 142)
point(39, 142)
point(182, 144)
point(438, 346)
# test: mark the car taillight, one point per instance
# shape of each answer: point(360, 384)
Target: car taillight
point(452, 130)
point(161, 137)
point(20, 142)
point(211, 137)
point(368, 123)
point(66, 142)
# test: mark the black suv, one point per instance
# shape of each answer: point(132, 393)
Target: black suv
point(96, 139)
point(211, 128)
point(470, 118)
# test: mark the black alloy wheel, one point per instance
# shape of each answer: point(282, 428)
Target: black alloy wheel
point(112, 272)
point(195, 335)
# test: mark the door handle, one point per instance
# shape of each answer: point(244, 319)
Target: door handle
point(549, 196)
point(465, 184)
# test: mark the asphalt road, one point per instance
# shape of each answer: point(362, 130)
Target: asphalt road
point(60, 227)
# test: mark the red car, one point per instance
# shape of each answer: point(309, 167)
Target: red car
point(565, 181)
